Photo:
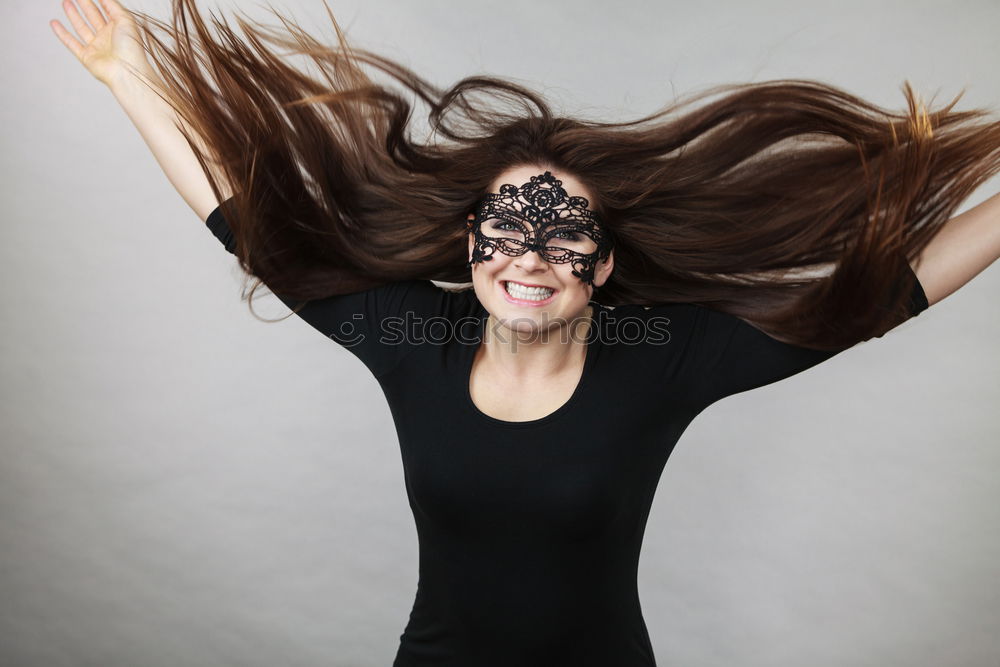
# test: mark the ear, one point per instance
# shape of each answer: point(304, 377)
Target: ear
point(472, 237)
point(603, 269)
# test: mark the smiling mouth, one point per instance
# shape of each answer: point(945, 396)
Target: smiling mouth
point(523, 292)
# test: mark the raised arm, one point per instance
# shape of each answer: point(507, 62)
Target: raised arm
point(728, 355)
point(108, 47)
point(357, 321)
point(965, 246)
point(156, 120)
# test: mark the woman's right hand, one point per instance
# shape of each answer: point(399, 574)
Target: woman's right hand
point(111, 47)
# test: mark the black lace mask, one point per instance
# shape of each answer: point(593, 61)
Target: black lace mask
point(558, 227)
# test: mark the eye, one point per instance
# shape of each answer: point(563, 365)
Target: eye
point(567, 236)
point(505, 225)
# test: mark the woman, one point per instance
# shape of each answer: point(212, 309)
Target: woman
point(534, 418)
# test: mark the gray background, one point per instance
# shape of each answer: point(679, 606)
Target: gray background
point(181, 484)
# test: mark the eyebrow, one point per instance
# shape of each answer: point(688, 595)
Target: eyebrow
point(559, 222)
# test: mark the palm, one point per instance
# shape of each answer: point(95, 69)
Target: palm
point(106, 45)
point(112, 45)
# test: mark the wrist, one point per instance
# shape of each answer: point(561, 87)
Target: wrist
point(127, 81)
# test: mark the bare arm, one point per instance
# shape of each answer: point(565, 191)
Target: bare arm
point(107, 44)
point(965, 246)
point(155, 120)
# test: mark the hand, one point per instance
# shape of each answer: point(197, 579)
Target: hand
point(110, 52)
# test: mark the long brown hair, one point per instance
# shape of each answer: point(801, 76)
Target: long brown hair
point(791, 203)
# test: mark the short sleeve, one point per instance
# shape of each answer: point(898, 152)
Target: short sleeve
point(371, 324)
point(730, 356)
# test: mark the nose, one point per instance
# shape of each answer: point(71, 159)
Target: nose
point(531, 261)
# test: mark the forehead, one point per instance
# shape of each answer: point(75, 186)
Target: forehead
point(518, 176)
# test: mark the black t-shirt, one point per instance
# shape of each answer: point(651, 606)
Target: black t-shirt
point(530, 532)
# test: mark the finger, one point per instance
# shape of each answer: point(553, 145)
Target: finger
point(113, 9)
point(82, 29)
point(66, 38)
point(93, 14)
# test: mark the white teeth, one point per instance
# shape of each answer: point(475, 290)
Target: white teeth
point(529, 293)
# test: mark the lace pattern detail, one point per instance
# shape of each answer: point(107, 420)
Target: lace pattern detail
point(549, 210)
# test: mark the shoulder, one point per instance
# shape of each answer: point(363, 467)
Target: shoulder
point(635, 324)
point(420, 296)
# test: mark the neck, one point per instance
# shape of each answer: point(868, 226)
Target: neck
point(537, 353)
